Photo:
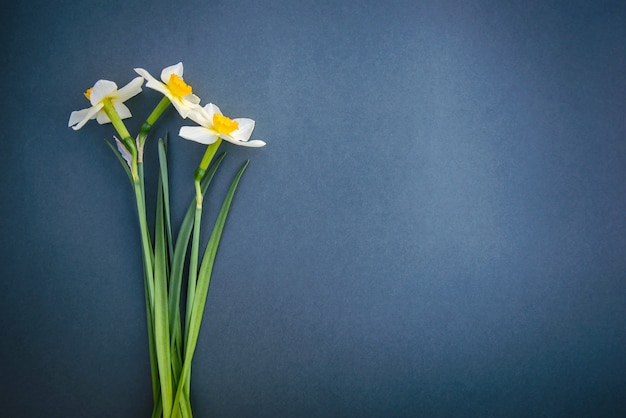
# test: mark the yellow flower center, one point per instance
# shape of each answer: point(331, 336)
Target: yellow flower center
point(178, 87)
point(87, 93)
point(224, 125)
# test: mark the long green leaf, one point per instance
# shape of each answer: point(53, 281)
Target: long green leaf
point(175, 349)
point(204, 280)
point(161, 320)
point(166, 193)
point(147, 258)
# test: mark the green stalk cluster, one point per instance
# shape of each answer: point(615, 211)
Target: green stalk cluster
point(172, 340)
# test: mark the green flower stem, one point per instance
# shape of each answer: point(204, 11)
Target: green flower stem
point(154, 116)
point(158, 110)
point(193, 261)
point(119, 126)
point(147, 258)
point(195, 242)
point(142, 190)
point(206, 160)
point(146, 246)
point(199, 174)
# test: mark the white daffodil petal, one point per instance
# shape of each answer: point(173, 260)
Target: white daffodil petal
point(197, 134)
point(183, 106)
point(77, 116)
point(246, 126)
point(180, 107)
point(210, 110)
point(256, 143)
point(152, 82)
point(144, 73)
point(102, 118)
point(160, 87)
point(102, 89)
point(199, 115)
point(129, 90)
point(122, 110)
point(253, 144)
point(86, 114)
point(172, 69)
point(192, 98)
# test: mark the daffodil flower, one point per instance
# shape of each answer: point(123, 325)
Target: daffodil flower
point(102, 90)
point(214, 125)
point(173, 87)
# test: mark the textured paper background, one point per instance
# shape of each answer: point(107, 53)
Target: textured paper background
point(435, 228)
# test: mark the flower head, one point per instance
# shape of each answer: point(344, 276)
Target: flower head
point(105, 89)
point(173, 87)
point(214, 125)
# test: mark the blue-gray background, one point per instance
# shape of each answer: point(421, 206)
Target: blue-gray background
point(435, 228)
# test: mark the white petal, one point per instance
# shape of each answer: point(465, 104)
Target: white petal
point(192, 98)
point(172, 69)
point(79, 118)
point(183, 106)
point(212, 109)
point(144, 73)
point(199, 115)
point(197, 134)
point(122, 110)
point(129, 90)
point(102, 118)
point(254, 143)
point(246, 126)
point(153, 83)
point(102, 89)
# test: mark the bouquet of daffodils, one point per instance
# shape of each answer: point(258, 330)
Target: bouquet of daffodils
point(172, 335)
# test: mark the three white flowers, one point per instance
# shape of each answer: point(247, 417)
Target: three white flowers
point(213, 124)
